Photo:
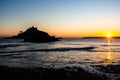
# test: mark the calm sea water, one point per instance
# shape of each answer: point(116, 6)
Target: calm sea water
point(67, 52)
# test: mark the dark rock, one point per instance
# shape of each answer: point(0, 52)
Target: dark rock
point(109, 68)
point(32, 34)
point(39, 73)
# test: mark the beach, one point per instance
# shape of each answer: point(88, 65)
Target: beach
point(66, 73)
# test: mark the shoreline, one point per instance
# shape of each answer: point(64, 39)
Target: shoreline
point(65, 73)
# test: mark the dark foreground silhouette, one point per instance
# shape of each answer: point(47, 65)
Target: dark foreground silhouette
point(63, 73)
point(32, 34)
point(66, 73)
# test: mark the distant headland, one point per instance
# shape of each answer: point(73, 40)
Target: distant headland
point(99, 37)
point(92, 37)
point(32, 34)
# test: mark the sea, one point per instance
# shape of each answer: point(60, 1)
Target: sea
point(66, 52)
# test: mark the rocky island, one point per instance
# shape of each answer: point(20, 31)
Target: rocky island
point(32, 34)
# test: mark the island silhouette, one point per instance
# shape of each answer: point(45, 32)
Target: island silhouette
point(32, 34)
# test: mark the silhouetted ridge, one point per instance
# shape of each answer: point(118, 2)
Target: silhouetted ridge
point(116, 37)
point(32, 34)
point(93, 38)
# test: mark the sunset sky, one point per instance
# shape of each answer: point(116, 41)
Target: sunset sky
point(62, 18)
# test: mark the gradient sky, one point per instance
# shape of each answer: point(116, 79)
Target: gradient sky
point(62, 18)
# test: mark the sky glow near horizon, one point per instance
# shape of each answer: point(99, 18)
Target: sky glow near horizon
point(62, 18)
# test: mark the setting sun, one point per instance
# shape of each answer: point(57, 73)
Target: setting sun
point(109, 35)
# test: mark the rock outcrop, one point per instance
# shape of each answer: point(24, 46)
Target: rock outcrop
point(32, 34)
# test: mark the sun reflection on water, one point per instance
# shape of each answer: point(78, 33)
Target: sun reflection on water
point(108, 59)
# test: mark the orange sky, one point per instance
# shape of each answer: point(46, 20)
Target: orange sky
point(66, 33)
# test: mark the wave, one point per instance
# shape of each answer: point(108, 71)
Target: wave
point(105, 51)
point(9, 45)
point(110, 45)
point(74, 44)
point(54, 49)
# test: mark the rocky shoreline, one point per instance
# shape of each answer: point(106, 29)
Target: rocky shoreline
point(66, 73)
point(112, 70)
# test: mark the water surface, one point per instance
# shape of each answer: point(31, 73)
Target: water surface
point(67, 52)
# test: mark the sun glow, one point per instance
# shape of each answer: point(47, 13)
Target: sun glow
point(109, 35)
